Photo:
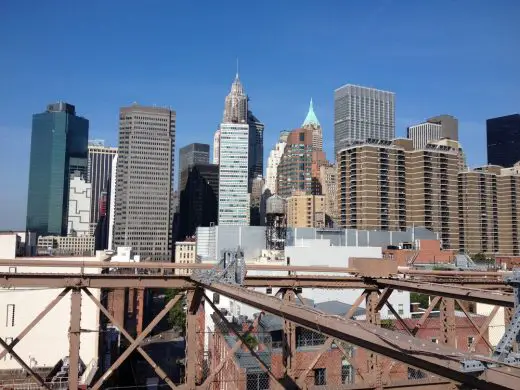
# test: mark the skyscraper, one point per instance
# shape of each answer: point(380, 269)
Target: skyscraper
point(311, 122)
point(362, 113)
point(256, 148)
point(216, 147)
point(236, 104)
point(434, 129)
point(236, 110)
point(299, 167)
point(80, 193)
point(503, 140)
point(233, 202)
point(273, 161)
point(190, 155)
point(99, 172)
point(144, 181)
point(59, 142)
point(198, 199)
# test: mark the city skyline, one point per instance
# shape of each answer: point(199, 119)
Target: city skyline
point(280, 91)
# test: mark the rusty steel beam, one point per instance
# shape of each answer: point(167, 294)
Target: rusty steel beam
point(425, 315)
point(95, 281)
point(28, 262)
point(449, 291)
point(418, 384)
point(474, 324)
point(309, 281)
point(437, 359)
point(289, 338)
point(193, 301)
point(28, 369)
point(447, 319)
point(384, 297)
point(408, 271)
point(482, 330)
point(158, 370)
point(136, 343)
point(35, 321)
point(74, 338)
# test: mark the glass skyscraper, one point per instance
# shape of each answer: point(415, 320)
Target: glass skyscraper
point(503, 140)
point(59, 147)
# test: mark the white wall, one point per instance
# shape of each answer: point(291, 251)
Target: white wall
point(47, 342)
point(8, 246)
point(497, 325)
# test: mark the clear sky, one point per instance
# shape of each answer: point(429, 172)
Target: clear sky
point(459, 57)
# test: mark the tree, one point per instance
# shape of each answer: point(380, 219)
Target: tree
point(479, 258)
point(423, 299)
point(251, 341)
point(177, 314)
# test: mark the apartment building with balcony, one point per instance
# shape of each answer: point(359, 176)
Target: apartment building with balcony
point(488, 212)
point(372, 186)
point(389, 185)
point(432, 191)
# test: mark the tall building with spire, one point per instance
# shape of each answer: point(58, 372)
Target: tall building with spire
point(311, 122)
point(236, 105)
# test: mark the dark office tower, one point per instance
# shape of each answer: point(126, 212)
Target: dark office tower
point(503, 140)
point(199, 199)
point(59, 142)
point(99, 172)
point(256, 148)
point(143, 216)
point(190, 155)
point(255, 216)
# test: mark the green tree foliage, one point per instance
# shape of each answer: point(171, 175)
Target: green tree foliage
point(177, 315)
point(479, 258)
point(251, 341)
point(421, 298)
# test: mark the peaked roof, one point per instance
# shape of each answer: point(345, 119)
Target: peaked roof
point(311, 119)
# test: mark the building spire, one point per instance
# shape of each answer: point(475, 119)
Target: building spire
point(311, 119)
point(236, 76)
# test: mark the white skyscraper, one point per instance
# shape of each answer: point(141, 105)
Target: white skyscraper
point(112, 203)
point(361, 113)
point(233, 199)
point(272, 164)
point(216, 147)
point(80, 192)
point(422, 133)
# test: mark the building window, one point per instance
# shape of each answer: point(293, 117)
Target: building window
point(347, 372)
point(319, 377)
point(258, 381)
point(12, 270)
point(302, 137)
point(9, 319)
point(435, 340)
point(400, 309)
point(471, 339)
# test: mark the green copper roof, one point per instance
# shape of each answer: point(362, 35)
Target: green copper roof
point(311, 119)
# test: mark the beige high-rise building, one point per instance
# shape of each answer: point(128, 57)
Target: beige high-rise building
point(306, 210)
point(329, 189)
point(432, 191)
point(387, 185)
point(372, 186)
point(488, 210)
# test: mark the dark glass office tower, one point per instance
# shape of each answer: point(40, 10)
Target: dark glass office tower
point(503, 140)
point(59, 142)
point(190, 155)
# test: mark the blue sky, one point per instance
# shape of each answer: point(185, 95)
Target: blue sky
point(458, 57)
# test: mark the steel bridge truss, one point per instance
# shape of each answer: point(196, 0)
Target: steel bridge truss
point(448, 366)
